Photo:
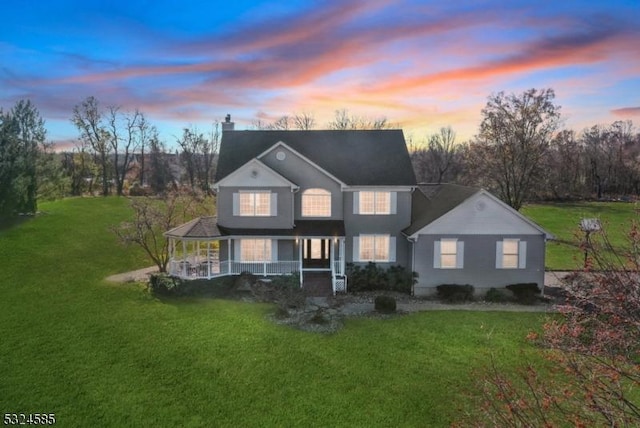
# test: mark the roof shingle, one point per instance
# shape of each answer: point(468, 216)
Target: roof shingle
point(356, 157)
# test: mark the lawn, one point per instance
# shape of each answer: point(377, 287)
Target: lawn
point(102, 354)
point(562, 220)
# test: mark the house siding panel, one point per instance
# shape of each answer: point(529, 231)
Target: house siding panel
point(306, 176)
point(283, 219)
point(479, 263)
point(391, 224)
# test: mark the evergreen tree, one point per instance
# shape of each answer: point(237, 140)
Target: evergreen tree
point(21, 133)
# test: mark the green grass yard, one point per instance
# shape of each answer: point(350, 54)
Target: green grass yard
point(562, 220)
point(103, 354)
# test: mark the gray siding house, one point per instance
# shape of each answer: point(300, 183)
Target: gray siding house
point(312, 201)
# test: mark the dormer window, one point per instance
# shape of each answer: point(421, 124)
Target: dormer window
point(316, 203)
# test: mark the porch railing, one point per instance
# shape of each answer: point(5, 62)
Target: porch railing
point(204, 269)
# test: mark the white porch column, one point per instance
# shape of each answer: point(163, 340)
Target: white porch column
point(209, 259)
point(184, 258)
point(342, 256)
point(171, 254)
point(300, 243)
point(332, 257)
point(228, 256)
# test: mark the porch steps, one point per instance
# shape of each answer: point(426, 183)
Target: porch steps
point(317, 284)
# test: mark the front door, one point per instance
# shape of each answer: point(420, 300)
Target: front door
point(316, 253)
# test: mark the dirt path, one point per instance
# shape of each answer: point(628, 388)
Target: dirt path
point(135, 275)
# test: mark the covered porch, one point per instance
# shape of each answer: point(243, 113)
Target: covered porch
point(201, 249)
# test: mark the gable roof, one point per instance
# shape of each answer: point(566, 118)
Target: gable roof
point(355, 157)
point(432, 201)
point(270, 176)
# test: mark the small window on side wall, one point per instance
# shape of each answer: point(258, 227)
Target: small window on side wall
point(511, 254)
point(448, 253)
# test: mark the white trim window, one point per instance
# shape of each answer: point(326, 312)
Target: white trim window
point(316, 203)
point(448, 253)
point(374, 203)
point(254, 203)
point(374, 248)
point(255, 250)
point(511, 254)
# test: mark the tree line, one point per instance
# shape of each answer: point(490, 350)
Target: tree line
point(520, 153)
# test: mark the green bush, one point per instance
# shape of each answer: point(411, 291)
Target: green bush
point(525, 293)
point(495, 296)
point(163, 285)
point(372, 277)
point(245, 281)
point(400, 279)
point(386, 304)
point(283, 290)
point(455, 293)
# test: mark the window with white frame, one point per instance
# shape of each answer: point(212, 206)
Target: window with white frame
point(375, 248)
point(511, 254)
point(255, 250)
point(374, 202)
point(254, 204)
point(316, 203)
point(448, 254)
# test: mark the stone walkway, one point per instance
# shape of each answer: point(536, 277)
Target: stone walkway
point(554, 278)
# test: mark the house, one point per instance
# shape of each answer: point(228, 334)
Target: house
point(465, 235)
point(313, 201)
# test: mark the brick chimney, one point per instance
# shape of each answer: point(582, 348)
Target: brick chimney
point(227, 125)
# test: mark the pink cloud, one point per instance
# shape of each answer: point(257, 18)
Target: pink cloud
point(626, 112)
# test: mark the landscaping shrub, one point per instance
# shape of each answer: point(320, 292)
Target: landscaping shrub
point(400, 279)
point(525, 293)
point(318, 318)
point(372, 277)
point(495, 296)
point(386, 304)
point(283, 290)
point(161, 284)
point(454, 293)
point(245, 281)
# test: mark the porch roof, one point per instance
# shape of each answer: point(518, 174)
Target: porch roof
point(208, 228)
point(302, 228)
point(201, 227)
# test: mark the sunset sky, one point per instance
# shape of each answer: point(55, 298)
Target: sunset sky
point(421, 64)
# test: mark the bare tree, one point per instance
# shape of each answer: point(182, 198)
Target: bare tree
point(304, 121)
point(565, 165)
point(518, 129)
point(154, 216)
point(88, 118)
point(440, 160)
point(442, 150)
point(199, 155)
point(160, 176)
point(283, 123)
point(592, 348)
point(146, 132)
point(344, 120)
point(126, 134)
